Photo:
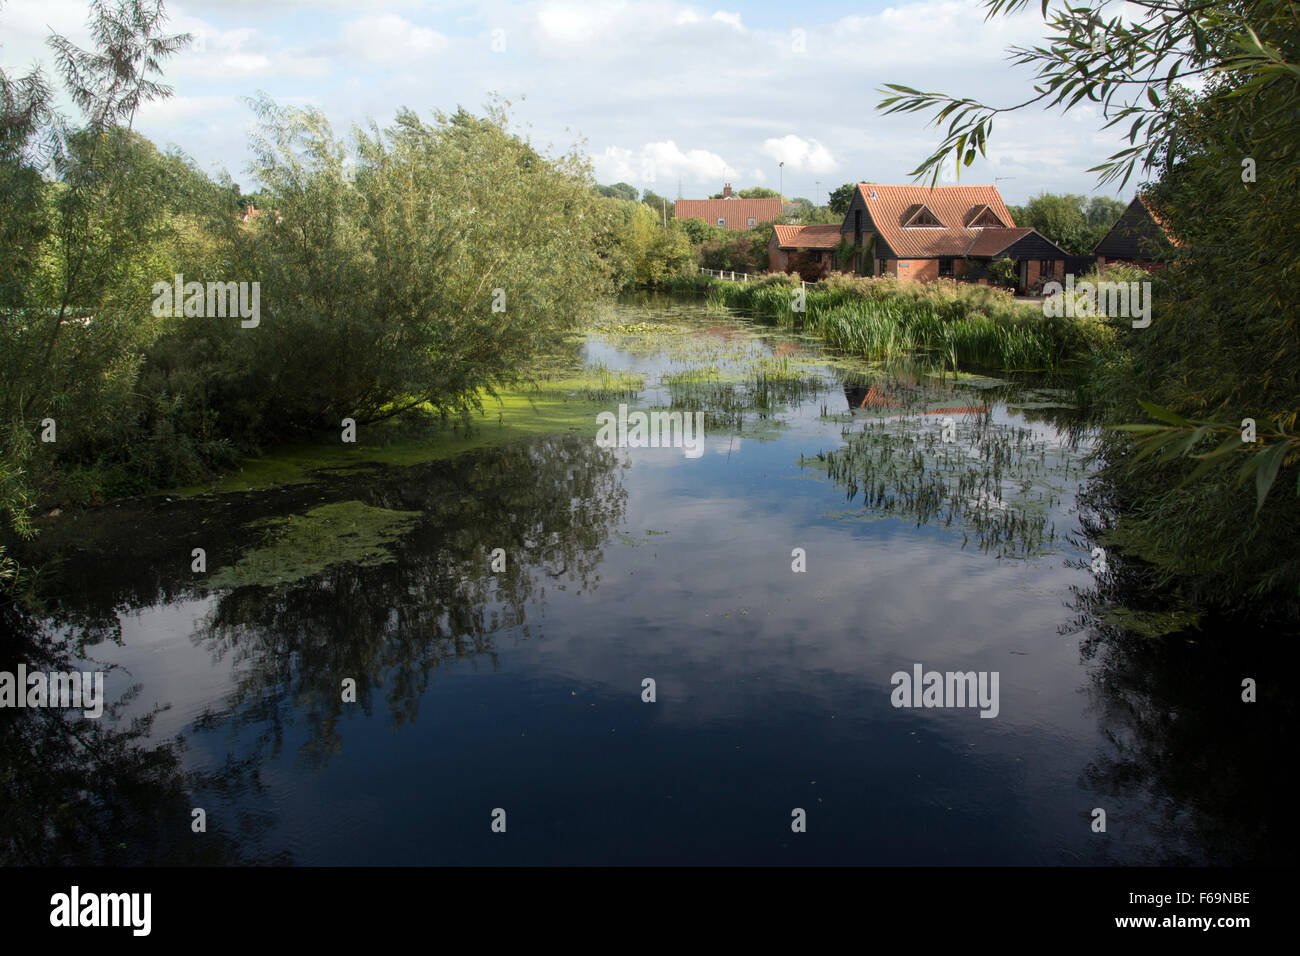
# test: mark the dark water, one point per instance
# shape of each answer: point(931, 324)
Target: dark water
point(522, 690)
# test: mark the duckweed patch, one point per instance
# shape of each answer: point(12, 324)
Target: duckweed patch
point(298, 547)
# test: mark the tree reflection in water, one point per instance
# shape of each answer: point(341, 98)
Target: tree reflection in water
point(548, 503)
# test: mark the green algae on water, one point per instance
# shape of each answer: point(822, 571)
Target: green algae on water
point(300, 546)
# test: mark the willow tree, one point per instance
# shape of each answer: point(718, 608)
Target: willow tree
point(422, 265)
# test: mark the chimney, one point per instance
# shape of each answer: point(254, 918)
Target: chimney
point(726, 191)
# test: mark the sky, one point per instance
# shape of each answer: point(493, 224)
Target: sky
point(669, 96)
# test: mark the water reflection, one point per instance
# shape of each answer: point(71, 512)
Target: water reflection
point(478, 688)
point(547, 504)
point(1190, 768)
point(98, 792)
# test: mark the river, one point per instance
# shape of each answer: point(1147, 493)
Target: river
point(504, 616)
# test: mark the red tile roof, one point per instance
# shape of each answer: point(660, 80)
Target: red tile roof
point(807, 237)
point(991, 241)
point(953, 206)
point(737, 212)
point(1149, 205)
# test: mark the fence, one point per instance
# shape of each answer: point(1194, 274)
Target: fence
point(733, 276)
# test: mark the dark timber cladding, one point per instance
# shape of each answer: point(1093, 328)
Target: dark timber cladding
point(1032, 244)
point(1135, 237)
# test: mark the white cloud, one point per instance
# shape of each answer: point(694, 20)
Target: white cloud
point(731, 19)
point(660, 161)
point(570, 23)
point(800, 155)
point(390, 39)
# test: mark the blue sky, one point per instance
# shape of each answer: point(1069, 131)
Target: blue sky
point(654, 92)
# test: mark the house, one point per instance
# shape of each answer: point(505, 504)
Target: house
point(922, 233)
point(729, 212)
point(789, 245)
point(1140, 237)
point(250, 213)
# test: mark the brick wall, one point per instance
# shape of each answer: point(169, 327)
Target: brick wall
point(916, 270)
point(777, 258)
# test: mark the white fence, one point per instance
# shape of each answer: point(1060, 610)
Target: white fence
point(737, 276)
point(729, 276)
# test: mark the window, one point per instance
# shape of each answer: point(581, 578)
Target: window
point(981, 216)
point(1046, 267)
point(751, 222)
point(873, 194)
point(945, 267)
point(919, 215)
point(881, 266)
point(721, 221)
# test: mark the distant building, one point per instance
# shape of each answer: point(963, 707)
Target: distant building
point(1140, 236)
point(729, 212)
point(250, 213)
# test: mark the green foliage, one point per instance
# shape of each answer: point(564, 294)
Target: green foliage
point(1223, 344)
point(643, 251)
point(844, 253)
point(964, 325)
point(1072, 221)
point(840, 198)
point(454, 256)
point(697, 230)
point(457, 254)
point(73, 315)
point(1211, 513)
point(1102, 211)
point(662, 205)
point(730, 249)
point(1004, 271)
point(754, 192)
point(618, 191)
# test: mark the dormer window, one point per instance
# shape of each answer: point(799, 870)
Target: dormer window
point(982, 216)
point(920, 215)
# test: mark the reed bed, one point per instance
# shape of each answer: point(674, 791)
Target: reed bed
point(962, 325)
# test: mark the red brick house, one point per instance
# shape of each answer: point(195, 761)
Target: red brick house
point(788, 243)
point(1139, 237)
point(729, 212)
point(920, 233)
